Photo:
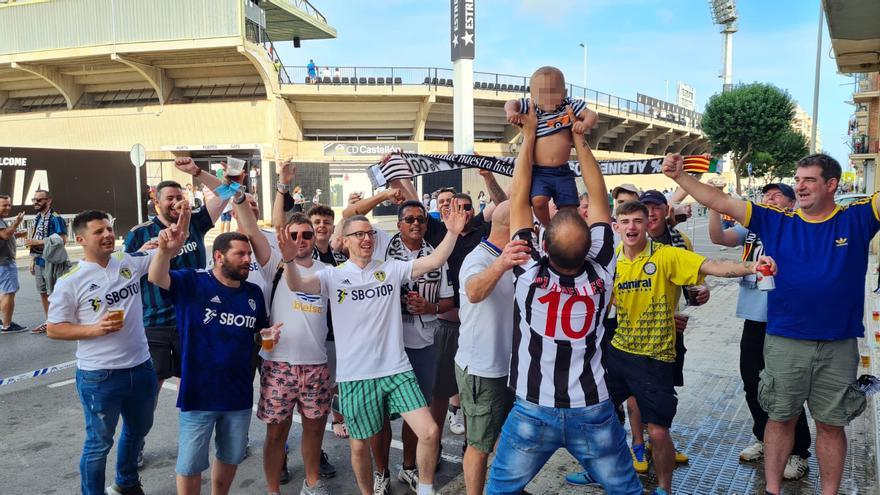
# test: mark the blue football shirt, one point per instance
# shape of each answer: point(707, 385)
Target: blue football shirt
point(217, 326)
point(820, 287)
point(159, 312)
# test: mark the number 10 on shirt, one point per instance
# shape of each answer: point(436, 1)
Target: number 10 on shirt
point(573, 301)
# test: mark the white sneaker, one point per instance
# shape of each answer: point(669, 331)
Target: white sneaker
point(795, 468)
point(456, 422)
point(753, 452)
point(409, 477)
point(320, 488)
point(381, 484)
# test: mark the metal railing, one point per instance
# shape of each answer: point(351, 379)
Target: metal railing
point(309, 9)
point(867, 84)
point(256, 34)
point(864, 144)
point(434, 77)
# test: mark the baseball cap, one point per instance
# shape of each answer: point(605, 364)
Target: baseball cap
point(785, 189)
point(624, 187)
point(653, 197)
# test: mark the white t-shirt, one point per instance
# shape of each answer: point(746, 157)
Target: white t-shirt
point(262, 276)
point(366, 318)
point(485, 338)
point(304, 333)
point(418, 330)
point(87, 291)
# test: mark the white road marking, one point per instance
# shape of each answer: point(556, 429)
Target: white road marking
point(62, 383)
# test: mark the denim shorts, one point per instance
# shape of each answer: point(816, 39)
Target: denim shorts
point(8, 278)
point(555, 182)
point(230, 441)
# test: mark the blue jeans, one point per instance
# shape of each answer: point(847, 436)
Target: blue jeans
point(593, 435)
point(105, 395)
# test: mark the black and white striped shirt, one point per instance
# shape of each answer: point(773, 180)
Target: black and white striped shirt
point(556, 359)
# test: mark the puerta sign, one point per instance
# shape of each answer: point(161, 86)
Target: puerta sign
point(462, 29)
point(77, 179)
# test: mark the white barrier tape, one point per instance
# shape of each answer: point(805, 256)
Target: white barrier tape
point(40, 372)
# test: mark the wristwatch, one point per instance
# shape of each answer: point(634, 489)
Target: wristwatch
point(282, 187)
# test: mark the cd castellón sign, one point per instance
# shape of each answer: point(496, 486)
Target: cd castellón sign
point(462, 29)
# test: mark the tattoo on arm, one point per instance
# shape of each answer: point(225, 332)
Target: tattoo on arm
point(496, 193)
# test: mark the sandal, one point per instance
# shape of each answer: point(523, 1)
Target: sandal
point(339, 429)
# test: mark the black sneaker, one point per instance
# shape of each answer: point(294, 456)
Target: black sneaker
point(117, 490)
point(12, 328)
point(327, 470)
point(285, 472)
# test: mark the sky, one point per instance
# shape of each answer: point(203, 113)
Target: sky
point(633, 46)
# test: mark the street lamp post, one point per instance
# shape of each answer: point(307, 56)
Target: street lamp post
point(584, 46)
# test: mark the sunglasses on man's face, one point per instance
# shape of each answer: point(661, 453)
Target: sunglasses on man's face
point(306, 235)
point(467, 206)
point(419, 220)
point(38, 200)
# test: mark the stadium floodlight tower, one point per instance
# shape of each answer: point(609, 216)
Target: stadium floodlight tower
point(724, 14)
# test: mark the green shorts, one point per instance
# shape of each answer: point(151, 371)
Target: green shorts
point(822, 373)
point(485, 402)
point(365, 403)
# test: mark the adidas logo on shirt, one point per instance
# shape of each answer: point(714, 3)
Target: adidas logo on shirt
point(215, 299)
point(346, 282)
point(93, 287)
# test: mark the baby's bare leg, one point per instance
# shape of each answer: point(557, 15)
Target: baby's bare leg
point(541, 207)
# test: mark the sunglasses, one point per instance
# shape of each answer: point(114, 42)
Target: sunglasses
point(467, 207)
point(39, 200)
point(359, 235)
point(306, 235)
point(419, 220)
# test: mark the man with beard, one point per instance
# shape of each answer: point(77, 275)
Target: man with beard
point(159, 316)
point(421, 301)
point(46, 223)
point(8, 269)
point(219, 314)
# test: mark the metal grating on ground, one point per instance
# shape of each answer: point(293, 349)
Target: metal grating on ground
point(713, 423)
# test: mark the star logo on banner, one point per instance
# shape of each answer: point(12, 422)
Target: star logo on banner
point(455, 41)
point(468, 38)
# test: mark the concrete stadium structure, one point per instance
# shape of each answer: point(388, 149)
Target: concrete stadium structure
point(203, 78)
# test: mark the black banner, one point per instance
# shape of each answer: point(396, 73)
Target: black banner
point(462, 29)
point(77, 180)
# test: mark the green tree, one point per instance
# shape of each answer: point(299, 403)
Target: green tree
point(781, 157)
point(746, 119)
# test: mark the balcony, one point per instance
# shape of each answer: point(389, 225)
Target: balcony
point(867, 88)
point(486, 85)
point(288, 20)
point(864, 145)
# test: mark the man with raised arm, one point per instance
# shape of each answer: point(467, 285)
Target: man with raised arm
point(810, 352)
point(374, 374)
point(219, 316)
point(556, 368)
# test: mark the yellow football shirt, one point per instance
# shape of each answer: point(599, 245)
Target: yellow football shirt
point(646, 291)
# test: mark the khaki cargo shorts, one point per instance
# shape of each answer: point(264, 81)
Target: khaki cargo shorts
point(820, 373)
